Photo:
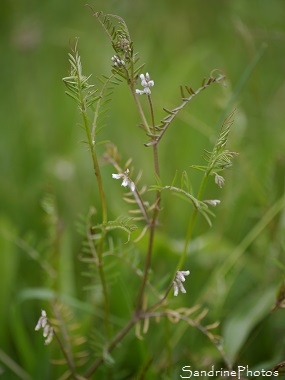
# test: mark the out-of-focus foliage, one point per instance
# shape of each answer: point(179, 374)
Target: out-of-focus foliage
point(47, 179)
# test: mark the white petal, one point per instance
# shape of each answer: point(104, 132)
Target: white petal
point(49, 337)
point(132, 186)
point(181, 287)
point(219, 180)
point(46, 331)
point(176, 290)
point(117, 176)
point(144, 83)
point(44, 322)
point(213, 202)
point(179, 276)
point(125, 182)
point(39, 325)
point(151, 83)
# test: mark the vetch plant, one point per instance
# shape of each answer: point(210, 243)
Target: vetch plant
point(43, 323)
point(151, 304)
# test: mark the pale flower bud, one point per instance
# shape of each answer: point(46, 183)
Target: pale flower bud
point(177, 283)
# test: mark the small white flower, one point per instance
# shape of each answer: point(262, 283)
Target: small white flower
point(117, 61)
point(219, 180)
point(212, 202)
point(44, 324)
point(176, 289)
point(42, 321)
point(46, 331)
point(126, 180)
point(177, 282)
point(49, 337)
point(146, 83)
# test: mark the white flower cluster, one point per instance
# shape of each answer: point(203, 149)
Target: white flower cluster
point(117, 61)
point(212, 202)
point(126, 180)
point(177, 283)
point(146, 83)
point(44, 324)
point(219, 180)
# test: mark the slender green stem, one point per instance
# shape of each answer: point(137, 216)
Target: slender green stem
point(64, 345)
point(91, 143)
point(96, 170)
point(142, 115)
point(68, 359)
point(191, 322)
point(147, 261)
point(124, 331)
point(131, 81)
point(153, 221)
point(121, 334)
point(104, 220)
point(252, 235)
point(192, 223)
point(141, 205)
point(160, 302)
point(155, 150)
point(98, 107)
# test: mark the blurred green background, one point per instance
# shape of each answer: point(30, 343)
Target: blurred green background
point(237, 265)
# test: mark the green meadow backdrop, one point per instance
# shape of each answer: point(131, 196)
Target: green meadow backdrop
point(47, 180)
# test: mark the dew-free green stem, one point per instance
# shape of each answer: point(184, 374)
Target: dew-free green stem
point(121, 334)
point(82, 103)
point(153, 221)
point(192, 223)
point(155, 150)
point(67, 356)
point(147, 261)
point(124, 331)
point(104, 220)
point(96, 169)
point(131, 81)
point(83, 108)
point(142, 115)
point(98, 107)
